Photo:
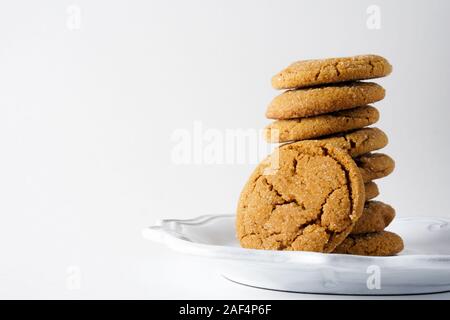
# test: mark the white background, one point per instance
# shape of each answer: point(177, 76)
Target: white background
point(87, 114)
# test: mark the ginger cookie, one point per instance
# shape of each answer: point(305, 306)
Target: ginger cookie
point(308, 73)
point(375, 218)
point(306, 196)
point(371, 189)
point(319, 100)
point(321, 125)
point(360, 141)
point(375, 166)
point(382, 243)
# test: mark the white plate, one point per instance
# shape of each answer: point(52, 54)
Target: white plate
point(423, 267)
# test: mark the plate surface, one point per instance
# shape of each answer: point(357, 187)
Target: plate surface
point(423, 267)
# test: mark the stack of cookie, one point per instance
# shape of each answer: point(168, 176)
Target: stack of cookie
point(325, 105)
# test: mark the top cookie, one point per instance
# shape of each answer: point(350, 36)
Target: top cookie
point(308, 73)
point(306, 196)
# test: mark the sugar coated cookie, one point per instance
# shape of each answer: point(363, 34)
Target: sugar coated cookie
point(376, 217)
point(314, 72)
point(319, 100)
point(321, 125)
point(360, 141)
point(371, 189)
point(375, 166)
point(306, 196)
point(382, 243)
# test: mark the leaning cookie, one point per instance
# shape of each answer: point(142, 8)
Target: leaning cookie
point(375, 166)
point(321, 125)
point(375, 218)
point(306, 196)
point(382, 243)
point(320, 100)
point(360, 141)
point(371, 189)
point(314, 72)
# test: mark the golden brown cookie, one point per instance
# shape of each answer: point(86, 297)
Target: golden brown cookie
point(310, 203)
point(321, 125)
point(375, 166)
point(308, 73)
point(375, 218)
point(360, 141)
point(382, 243)
point(371, 189)
point(319, 100)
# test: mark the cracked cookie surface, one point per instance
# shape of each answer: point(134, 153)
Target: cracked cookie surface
point(320, 100)
point(360, 141)
point(314, 72)
point(375, 166)
point(310, 203)
point(382, 243)
point(321, 125)
point(375, 218)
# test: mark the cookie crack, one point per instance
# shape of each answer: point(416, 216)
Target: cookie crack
point(294, 165)
point(370, 251)
point(316, 221)
point(353, 143)
point(327, 197)
point(285, 200)
point(300, 233)
point(338, 72)
point(372, 67)
point(316, 77)
point(278, 193)
point(325, 66)
point(350, 189)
